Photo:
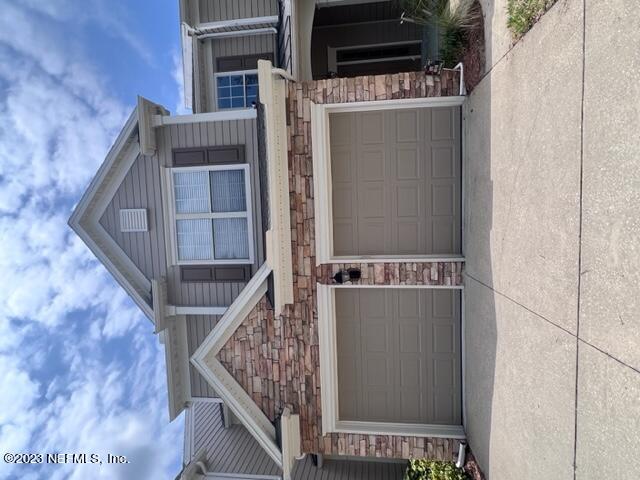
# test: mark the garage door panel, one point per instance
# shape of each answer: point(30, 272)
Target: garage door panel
point(444, 410)
point(376, 338)
point(409, 303)
point(371, 303)
point(372, 128)
point(443, 162)
point(407, 125)
point(372, 237)
point(378, 403)
point(406, 346)
point(410, 334)
point(340, 132)
point(443, 336)
point(411, 409)
point(409, 173)
point(371, 165)
point(408, 164)
point(343, 202)
point(443, 236)
point(443, 303)
point(344, 232)
point(408, 200)
point(371, 200)
point(442, 124)
point(342, 165)
point(410, 372)
point(443, 200)
point(409, 238)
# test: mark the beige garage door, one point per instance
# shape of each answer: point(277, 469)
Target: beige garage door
point(399, 355)
point(396, 181)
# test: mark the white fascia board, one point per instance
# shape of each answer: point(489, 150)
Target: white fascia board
point(85, 220)
point(241, 404)
point(186, 44)
point(235, 314)
point(239, 23)
point(139, 300)
point(239, 33)
point(121, 141)
point(219, 116)
point(278, 238)
point(223, 383)
point(177, 364)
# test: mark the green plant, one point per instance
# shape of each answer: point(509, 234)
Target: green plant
point(423, 469)
point(522, 14)
point(454, 19)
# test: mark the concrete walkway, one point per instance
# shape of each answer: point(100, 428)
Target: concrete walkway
point(552, 241)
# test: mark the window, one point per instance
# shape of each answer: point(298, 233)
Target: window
point(236, 89)
point(212, 214)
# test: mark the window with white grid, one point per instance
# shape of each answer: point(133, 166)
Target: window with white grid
point(236, 89)
point(212, 214)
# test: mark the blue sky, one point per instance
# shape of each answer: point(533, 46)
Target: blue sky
point(81, 371)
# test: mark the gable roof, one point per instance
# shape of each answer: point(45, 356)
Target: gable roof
point(85, 220)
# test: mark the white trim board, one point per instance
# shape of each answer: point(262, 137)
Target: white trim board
point(85, 220)
point(278, 237)
point(223, 383)
point(329, 376)
point(322, 184)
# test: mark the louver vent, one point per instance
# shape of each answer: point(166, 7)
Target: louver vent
point(133, 220)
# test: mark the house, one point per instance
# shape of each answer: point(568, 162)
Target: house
point(301, 260)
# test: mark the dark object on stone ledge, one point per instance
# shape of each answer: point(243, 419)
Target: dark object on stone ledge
point(350, 275)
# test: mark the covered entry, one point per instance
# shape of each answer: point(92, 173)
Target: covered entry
point(398, 355)
point(396, 181)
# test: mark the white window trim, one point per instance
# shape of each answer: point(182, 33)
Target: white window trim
point(323, 204)
point(331, 422)
point(170, 208)
point(244, 73)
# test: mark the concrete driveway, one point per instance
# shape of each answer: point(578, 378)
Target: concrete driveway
point(552, 242)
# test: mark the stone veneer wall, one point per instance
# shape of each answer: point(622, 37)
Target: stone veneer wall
point(277, 360)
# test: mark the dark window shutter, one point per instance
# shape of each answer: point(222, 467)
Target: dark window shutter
point(189, 157)
point(250, 62)
point(196, 273)
point(194, 157)
point(230, 64)
point(241, 62)
point(215, 273)
point(226, 154)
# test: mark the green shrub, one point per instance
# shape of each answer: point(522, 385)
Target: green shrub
point(423, 469)
point(453, 21)
point(522, 14)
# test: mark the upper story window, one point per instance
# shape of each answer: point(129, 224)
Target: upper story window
point(212, 208)
point(236, 89)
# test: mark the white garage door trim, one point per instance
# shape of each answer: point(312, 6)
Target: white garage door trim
point(329, 374)
point(321, 152)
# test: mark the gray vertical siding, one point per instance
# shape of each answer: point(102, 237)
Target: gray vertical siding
point(141, 189)
point(234, 132)
point(249, 45)
point(229, 450)
point(217, 10)
point(198, 327)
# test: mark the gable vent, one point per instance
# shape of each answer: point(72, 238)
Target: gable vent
point(133, 220)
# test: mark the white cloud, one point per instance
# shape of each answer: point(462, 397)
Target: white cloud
point(81, 370)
